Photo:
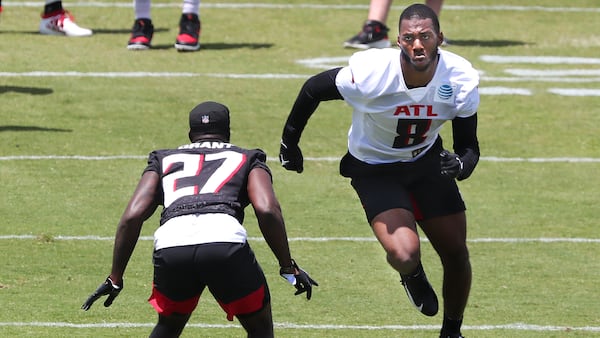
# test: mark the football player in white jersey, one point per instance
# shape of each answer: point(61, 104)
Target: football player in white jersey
point(396, 161)
point(201, 243)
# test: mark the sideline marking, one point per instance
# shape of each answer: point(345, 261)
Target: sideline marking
point(548, 60)
point(327, 239)
point(519, 75)
point(575, 92)
point(504, 91)
point(513, 326)
point(541, 79)
point(552, 72)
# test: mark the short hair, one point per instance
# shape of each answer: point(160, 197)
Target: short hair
point(420, 11)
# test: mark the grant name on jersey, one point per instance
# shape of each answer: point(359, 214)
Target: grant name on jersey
point(206, 145)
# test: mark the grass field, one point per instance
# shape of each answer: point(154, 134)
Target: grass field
point(80, 115)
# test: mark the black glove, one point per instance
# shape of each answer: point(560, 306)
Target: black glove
point(107, 288)
point(451, 164)
point(298, 278)
point(290, 157)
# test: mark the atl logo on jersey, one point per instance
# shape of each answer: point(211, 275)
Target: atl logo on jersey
point(416, 110)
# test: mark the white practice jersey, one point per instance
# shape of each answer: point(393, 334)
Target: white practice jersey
point(199, 229)
point(392, 123)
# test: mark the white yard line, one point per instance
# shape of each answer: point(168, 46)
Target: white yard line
point(512, 326)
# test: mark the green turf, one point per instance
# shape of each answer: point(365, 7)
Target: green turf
point(550, 288)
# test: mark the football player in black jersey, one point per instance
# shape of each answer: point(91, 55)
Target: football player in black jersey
point(204, 188)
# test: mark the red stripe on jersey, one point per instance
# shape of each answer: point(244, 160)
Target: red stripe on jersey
point(200, 165)
point(242, 162)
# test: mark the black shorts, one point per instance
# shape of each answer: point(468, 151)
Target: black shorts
point(416, 186)
point(230, 271)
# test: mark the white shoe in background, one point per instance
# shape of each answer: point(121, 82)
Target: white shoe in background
point(62, 23)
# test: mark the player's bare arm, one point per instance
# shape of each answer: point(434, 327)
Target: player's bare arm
point(141, 206)
point(268, 213)
point(270, 220)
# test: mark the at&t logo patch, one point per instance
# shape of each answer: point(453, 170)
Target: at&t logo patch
point(445, 92)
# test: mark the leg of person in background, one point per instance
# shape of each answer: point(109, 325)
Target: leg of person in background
point(436, 5)
point(374, 31)
point(189, 27)
point(378, 10)
point(57, 21)
point(142, 30)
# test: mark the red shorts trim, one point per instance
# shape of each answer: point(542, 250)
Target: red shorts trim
point(416, 210)
point(165, 306)
point(249, 304)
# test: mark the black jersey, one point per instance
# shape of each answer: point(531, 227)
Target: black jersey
point(205, 177)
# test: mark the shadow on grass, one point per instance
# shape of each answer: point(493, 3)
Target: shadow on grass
point(218, 46)
point(8, 31)
point(221, 46)
point(33, 128)
point(125, 31)
point(26, 90)
point(212, 46)
point(98, 31)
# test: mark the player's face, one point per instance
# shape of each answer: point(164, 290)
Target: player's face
point(419, 42)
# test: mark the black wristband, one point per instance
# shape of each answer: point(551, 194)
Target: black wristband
point(290, 136)
point(288, 269)
point(469, 159)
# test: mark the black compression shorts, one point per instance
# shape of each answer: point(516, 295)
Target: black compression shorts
point(416, 186)
point(230, 271)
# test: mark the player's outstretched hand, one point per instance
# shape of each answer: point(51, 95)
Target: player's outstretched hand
point(291, 157)
point(298, 278)
point(451, 164)
point(107, 288)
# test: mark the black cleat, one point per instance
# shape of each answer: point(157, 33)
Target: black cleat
point(141, 35)
point(373, 35)
point(189, 33)
point(420, 292)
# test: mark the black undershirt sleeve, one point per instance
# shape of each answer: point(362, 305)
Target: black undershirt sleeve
point(466, 145)
point(320, 87)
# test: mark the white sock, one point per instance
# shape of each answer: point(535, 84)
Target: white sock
point(142, 9)
point(191, 6)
